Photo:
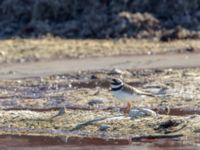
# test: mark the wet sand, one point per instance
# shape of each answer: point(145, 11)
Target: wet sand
point(44, 68)
point(52, 143)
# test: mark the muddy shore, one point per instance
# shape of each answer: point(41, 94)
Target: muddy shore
point(28, 104)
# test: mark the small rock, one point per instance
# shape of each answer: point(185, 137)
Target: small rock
point(158, 90)
point(190, 49)
point(70, 85)
point(2, 53)
point(93, 77)
point(19, 81)
point(149, 53)
point(141, 112)
point(96, 101)
point(116, 109)
point(61, 112)
point(104, 127)
point(11, 72)
point(120, 72)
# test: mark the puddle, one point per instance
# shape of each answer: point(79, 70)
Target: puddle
point(53, 143)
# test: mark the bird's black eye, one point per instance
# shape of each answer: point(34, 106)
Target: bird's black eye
point(113, 80)
point(116, 82)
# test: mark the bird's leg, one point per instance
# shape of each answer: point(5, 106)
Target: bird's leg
point(128, 107)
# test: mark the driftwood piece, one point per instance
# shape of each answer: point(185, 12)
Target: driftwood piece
point(90, 122)
point(156, 136)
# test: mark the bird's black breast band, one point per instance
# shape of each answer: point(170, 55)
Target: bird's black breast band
point(116, 89)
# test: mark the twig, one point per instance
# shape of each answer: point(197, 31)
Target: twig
point(81, 125)
point(90, 122)
point(156, 136)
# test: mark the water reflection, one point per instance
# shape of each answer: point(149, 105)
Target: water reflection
point(54, 143)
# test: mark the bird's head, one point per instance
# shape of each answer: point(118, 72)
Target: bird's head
point(116, 83)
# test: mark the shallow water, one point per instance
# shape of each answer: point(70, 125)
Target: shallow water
point(52, 143)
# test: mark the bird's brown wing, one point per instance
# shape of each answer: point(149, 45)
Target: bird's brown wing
point(131, 89)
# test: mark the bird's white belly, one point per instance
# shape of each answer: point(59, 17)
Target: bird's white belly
point(125, 96)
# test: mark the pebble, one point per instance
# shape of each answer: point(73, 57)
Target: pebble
point(120, 72)
point(96, 101)
point(93, 77)
point(141, 112)
point(104, 127)
point(2, 53)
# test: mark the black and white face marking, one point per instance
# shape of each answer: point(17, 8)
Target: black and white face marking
point(116, 84)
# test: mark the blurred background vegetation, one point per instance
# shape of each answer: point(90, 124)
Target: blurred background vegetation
point(100, 19)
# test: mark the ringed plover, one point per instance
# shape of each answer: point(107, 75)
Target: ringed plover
point(125, 92)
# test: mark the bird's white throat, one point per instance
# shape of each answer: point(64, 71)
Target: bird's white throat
point(116, 86)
